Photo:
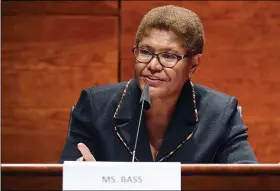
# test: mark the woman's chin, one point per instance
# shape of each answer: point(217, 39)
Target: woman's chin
point(156, 92)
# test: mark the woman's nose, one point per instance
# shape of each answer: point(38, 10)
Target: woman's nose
point(154, 65)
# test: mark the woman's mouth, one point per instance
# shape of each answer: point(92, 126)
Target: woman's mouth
point(153, 81)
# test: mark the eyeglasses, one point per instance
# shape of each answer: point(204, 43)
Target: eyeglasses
point(166, 59)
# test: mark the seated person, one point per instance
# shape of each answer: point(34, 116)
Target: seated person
point(186, 122)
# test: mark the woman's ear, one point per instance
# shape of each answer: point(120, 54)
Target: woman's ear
point(195, 62)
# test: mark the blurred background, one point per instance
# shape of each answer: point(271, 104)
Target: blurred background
point(51, 50)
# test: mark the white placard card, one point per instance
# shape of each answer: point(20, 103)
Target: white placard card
point(121, 176)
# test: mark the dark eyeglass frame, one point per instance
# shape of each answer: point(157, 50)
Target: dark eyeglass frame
point(189, 54)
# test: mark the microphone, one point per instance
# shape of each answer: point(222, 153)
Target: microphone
point(145, 102)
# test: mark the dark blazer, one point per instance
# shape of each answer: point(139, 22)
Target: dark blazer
point(106, 118)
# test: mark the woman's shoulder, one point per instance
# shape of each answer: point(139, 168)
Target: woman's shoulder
point(105, 94)
point(213, 100)
point(106, 89)
point(210, 93)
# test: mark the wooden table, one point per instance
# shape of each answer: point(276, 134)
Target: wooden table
point(194, 177)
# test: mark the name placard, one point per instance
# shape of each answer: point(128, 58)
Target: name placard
point(121, 176)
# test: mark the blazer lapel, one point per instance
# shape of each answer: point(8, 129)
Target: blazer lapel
point(127, 117)
point(180, 129)
point(181, 126)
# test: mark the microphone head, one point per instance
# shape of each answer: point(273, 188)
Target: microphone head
point(146, 97)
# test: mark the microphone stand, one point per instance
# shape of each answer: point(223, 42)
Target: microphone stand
point(138, 128)
point(145, 99)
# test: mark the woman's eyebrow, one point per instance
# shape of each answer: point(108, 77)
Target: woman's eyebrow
point(146, 46)
point(171, 50)
point(168, 49)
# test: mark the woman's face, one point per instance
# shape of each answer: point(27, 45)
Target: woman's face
point(163, 82)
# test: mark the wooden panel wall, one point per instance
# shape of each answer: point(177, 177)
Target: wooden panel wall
point(51, 50)
point(241, 58)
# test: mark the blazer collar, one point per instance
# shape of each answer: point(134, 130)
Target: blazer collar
point(131, 97)
point(180, 128)
point(129, 101)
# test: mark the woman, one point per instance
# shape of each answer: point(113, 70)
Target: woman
point(187, 123)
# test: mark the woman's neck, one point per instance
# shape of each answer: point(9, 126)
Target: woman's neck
point(158, 117)
point(161, 107)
